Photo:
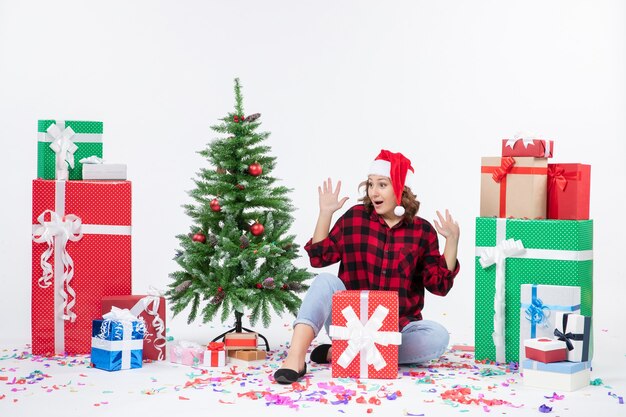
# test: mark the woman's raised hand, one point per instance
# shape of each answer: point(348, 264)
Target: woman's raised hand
point(329, 199)
point(447, 226)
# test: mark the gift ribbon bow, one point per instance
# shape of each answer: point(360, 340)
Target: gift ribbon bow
point(559, 178)
point(497, 255)
point(569, 336)
point(62, 146)
point(506, 164)
point(64, 228)
point(537, 312)
point(216, 346)
point(150, 304)
point(363, 337)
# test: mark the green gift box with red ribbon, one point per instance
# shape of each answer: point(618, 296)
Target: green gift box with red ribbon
point(569, 188)
point(513, 187)
point(512, 252)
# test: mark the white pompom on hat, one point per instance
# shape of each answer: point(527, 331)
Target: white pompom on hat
point(396, 167)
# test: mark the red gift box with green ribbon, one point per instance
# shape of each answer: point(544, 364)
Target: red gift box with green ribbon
point(81, 252)
point(569, 188)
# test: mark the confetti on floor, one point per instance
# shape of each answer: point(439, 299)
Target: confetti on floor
point(456, 383)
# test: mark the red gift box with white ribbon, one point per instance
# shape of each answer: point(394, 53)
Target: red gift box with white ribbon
point(538, 148)
point(150, 308)
point(545, 350)
point(365, 334)
point(81, 252)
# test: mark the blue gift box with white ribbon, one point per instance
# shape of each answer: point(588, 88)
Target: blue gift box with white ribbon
point(117, 344)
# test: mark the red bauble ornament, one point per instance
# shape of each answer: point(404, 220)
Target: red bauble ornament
point(259, 286)
point(220, 289)
point(285, 287)
point(236, 119)
point(257, 229)
point(240, 187)
point(199, 237)
point(255, 169)
point(215, 205)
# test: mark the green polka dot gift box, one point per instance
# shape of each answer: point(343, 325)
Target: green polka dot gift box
point(512, 252)
point(61, 144)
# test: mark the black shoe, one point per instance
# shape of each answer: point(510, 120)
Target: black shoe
point(288, 376)
point(320, 354)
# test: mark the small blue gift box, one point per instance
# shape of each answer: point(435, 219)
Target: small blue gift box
point(117, 344)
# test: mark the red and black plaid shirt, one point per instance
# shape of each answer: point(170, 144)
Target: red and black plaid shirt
point(372, 256)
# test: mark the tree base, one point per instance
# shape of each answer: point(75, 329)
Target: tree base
point(240, 329)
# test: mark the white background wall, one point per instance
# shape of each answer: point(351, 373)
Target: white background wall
point(335, 81)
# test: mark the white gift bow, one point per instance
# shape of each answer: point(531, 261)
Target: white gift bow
point(497, 255)
point(153, 299)
point(64, 228)
point(119, 314)
point(62, 145)
point(93, 159)
point(527, 139)
point(362, 338)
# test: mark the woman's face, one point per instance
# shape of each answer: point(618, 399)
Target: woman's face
point(380, 191)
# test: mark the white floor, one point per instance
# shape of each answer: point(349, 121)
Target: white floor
point(31, 386)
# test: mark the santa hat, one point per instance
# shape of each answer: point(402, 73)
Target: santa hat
point(398, 168)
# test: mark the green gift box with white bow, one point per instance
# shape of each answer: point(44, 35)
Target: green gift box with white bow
point(61, 144)
point(512, 252)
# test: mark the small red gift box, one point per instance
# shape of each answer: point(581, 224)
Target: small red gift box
point(151, 309)
point(538, 148)
point(568, 191)
point(81, 252)
point(365, 334)
point(215, 355)
point(240, 341)
point(545, 350)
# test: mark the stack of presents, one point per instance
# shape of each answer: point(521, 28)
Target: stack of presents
point(242, 346)
point(81, 265)
point(534, 265)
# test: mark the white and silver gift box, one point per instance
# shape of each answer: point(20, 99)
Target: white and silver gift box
point(104, 171)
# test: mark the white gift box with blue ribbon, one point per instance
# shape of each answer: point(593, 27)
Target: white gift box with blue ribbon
point(117, 341)
point(539, 305)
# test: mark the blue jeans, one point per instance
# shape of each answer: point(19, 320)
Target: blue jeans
point(422, 340)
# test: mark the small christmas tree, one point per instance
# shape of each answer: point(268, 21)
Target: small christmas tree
point(238, 254)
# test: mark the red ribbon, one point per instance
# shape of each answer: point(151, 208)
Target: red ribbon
point(506, 164)
point(216, 346)
point(557, 176)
